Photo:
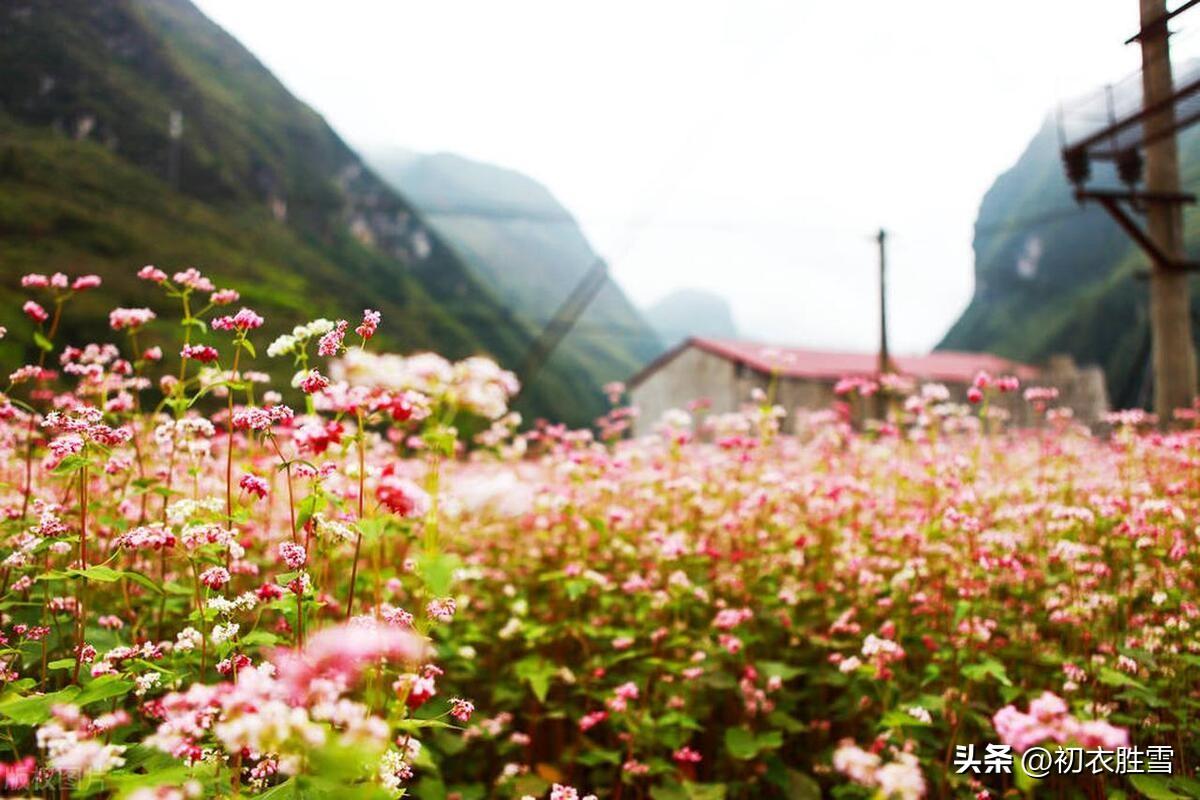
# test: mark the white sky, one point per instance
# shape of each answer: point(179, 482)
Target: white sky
point(748, 147)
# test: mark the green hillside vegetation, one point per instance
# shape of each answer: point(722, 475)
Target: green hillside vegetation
point(1051, 277)
point(268, 199)
point(528, 250)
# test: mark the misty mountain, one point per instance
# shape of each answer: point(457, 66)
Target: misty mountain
point(257, 189)
point(528, 250)
point(1054, 277)
point(692, 312)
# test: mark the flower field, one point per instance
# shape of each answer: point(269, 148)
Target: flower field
point(370, 582)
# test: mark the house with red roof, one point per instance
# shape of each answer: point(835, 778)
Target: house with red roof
point(724, 373)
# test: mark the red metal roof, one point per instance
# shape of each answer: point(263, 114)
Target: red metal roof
point(793, 362)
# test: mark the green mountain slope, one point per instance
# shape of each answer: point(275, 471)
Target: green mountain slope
point(1051, 277)
point(263, 195)
point(528, 250)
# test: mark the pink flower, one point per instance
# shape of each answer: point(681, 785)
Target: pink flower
point(214, 577)
point(341, 653)
point(203, 353)
point(313, 382)
point(331, 343)
point(686, 755)
point(461, 709)
point(253, 484)
point(244, 320)
point(974, 396)
point(151, 273)
point(441, 608)
point(35, 281)
point(402, 496)
point(129, 318)
point(192, 279)
point(589, 721)
point(85, 282)
point(35, 312)
point(224, 297)
point(293, 555)
point(59, 281)
point(370, 322)
point(153, 353)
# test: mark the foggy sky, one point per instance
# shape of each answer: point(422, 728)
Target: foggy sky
point(748, 147)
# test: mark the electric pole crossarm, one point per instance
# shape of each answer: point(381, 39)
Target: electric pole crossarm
point(1156, 25)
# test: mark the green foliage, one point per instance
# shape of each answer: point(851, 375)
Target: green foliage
point(1051, 277)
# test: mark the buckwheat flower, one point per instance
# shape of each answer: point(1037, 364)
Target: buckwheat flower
point(591, 720)
point(901, 778)
point(35, 312)
point(313, 382)
point(214, 577)
point(283, 345)
point(153, 353)
point(225, 632)
point(120, 319)
point(152, 274)
point(370, 322)
point(401, 496)
point(243, 320)
point(145, 682)
point(293, 555)
point(85, 282)
point(192, 279)
point(35, 280)
point(416, 689)
point(59, 281)
point(253, 484)
point(3, 331)
point(461, 709)
point(224, 297)
point(918, 712)
point(203, 353)
point(855, 763)
point(442, 609)
point(331, 343)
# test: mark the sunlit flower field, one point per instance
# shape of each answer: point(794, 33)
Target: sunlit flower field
point(376, 581)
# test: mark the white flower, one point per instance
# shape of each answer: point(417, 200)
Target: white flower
point(223, 633)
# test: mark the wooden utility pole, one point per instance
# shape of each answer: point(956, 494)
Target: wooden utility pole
point(884, 359)
point(1170, 301)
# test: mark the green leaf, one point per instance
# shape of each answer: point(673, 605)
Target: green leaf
point(437, 572)
point(69, 465)
point(538, 672)
point(36, 709)
point(1111, 677)
point(741, 743)
point(990, 668)
point(308, 507)
point(97, 573)
point(777, 669)
point(143, 581)
point(249, 348)
point(801, 786)
point(1155, 787)
point(104, 688)
point(42, 342)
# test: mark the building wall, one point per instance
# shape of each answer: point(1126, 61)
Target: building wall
point(691, 375)
point(696, 374)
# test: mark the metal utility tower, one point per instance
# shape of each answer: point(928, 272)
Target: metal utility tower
point(564, 319)
point(1150, 130)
